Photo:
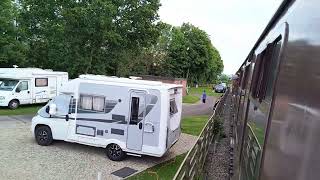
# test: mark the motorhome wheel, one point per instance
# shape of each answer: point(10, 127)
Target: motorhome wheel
point(115, 153)
point(43, 135)
point(13, 104)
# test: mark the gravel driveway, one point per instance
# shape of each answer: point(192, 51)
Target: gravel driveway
point(22, 158)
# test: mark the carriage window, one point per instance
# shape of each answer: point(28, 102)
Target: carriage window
point(134, 110)
point(265, 71)
point(173, 107)
point(41, 82)
point(92, 103)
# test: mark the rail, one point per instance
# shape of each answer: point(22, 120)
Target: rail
point(192, 164)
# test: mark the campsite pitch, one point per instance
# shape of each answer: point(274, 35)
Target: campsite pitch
point(22, 158)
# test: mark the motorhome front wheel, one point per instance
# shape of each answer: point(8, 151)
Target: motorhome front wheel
point(115, 153)
point(43, 135)
point(13, 104)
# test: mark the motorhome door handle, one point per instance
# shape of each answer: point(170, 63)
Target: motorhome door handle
point(140, 125)
point(28, 92)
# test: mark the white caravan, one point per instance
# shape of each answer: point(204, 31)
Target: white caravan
point(29, 85)
point(125, 116)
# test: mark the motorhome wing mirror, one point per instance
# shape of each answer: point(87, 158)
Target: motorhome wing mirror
point(52, 109)
point(18, 89)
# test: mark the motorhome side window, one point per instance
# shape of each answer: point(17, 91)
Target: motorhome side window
point(134, 119)
point(92, 103)
point(41, 82)
point(173, 107)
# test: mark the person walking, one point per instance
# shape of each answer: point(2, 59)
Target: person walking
point(204, 96)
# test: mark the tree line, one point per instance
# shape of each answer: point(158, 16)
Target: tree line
point(111, 37)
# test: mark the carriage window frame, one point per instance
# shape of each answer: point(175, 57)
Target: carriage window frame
point(262, 70)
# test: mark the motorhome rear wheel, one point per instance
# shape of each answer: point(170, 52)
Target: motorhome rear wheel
point(43, 135)
point(115, 153)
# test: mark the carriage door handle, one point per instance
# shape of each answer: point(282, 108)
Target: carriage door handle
point(140, 125)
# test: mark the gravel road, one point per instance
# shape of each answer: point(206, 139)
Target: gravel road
point(218, 159)
point(22, 158)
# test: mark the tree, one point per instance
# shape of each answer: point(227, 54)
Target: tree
point(192, 55)
point(12, 51)
point(86, 36)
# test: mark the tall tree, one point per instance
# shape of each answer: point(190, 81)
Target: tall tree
point(12, 51)
point(86, 36)
point(192, 55)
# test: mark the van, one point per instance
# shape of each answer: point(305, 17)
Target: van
point(124, 116)
point(29, 86)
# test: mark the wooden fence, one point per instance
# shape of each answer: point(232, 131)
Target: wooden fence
point(192, 165)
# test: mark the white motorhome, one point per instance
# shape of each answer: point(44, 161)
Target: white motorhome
point(29, 85)
point(125, 116)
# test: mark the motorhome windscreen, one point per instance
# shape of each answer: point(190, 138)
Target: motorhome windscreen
point(173, 107)
point(8, 84)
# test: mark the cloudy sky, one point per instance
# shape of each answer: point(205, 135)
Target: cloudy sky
point(233, 25)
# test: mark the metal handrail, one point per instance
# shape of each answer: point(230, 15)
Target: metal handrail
point(192, 164)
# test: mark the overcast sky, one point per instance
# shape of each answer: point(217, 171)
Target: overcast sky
point(233, 25)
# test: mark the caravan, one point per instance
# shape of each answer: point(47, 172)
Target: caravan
point(29, 85)
point(125, 116)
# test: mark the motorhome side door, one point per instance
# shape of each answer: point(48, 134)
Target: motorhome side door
point(22, 92)
point(137, 108)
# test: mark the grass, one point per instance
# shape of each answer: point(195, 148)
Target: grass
point(193, 124)
point(165, 170)
point(22, 110)
point(199, 90)
point(259, 133)
point(190, 99)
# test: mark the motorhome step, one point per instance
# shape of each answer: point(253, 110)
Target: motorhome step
point(124, 172)
point(132, 154)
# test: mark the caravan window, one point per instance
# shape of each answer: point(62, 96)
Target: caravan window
point(173, 107)
point(41, 82)
point(134, 110)
point(92, 103)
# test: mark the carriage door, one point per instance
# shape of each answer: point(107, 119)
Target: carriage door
point(136, 120)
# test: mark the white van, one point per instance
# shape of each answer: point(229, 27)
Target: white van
point(125, 116)
point(29, 85)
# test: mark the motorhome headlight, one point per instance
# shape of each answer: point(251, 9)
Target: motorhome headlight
point(2, 97)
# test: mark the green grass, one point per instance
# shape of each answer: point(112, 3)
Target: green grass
point(22, 110)
point(190, 99)
point(199, 90)
point(259, 133)
point(193, 124)
point(165, 170)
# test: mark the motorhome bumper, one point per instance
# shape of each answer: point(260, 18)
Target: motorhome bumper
point(3, 102)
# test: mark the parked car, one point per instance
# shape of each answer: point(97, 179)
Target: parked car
point(220, 88)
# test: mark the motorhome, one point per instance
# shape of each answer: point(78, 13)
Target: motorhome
point(125, 116)
point(29, 85)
